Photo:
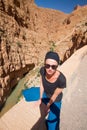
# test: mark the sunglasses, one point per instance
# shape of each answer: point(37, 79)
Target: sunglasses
point(54, 67)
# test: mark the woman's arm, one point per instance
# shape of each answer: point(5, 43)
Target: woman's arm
point(41, 93)
point(54, 96)
point(41, 88)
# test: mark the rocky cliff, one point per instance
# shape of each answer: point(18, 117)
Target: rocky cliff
point(27, 32)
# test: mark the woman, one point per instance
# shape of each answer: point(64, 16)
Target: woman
point(52, 84)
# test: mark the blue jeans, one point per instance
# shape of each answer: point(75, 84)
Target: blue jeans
point(53, 119)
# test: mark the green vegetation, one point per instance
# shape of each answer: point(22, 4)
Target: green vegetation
point(52, 45)
point(19, 97)
point(19, 44)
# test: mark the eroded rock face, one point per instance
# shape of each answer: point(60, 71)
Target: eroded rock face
point(28, 32)
point(15, 62)
point(78, 40)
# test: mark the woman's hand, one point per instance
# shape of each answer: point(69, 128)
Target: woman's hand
point(47, 109)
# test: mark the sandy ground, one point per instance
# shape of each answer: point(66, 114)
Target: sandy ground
point(24, 115)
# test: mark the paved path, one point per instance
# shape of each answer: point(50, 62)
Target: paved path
point(22, 116)
point(74, 109)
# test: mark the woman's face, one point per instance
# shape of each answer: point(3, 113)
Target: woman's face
point(51, 66)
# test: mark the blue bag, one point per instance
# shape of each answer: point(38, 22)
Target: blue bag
point(31, 94)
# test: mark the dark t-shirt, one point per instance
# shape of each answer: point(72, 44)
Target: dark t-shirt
point(49, 88)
